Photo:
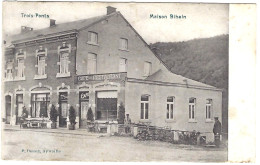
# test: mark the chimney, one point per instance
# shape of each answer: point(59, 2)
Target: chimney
point(110, 10)
point(52, 22)
point(25, 29)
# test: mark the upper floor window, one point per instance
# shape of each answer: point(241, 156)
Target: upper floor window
point(170, 105)
point(64, 53)
point(92, 63)
point(144, 106)
point(192, 103)
point(9, 70)
point(92, 38)
point(41, 55)
point(123, 44)
point(122, 65)
point(20, 58)
point(209, 109)
point(147, 68)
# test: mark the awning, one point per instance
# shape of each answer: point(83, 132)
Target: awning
point(107, 94)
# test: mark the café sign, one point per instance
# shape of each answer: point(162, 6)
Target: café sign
point(100, 77)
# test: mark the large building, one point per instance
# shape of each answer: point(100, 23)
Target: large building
point(101, 63)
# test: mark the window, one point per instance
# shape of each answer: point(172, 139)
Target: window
point(192, 102)
point(40, 104)
point(92, 63)
point(41, 64)
point(170, 104)
point(63, 63)
point(123, 44)
point(147, 68)
point(144, 106)
point(20, 66)
point(19, 103)
point(9, 70)
point(209, 109)
point(20, 57)
point(92, 38)
point(122, 64)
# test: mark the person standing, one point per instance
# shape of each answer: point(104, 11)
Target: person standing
point(127, 123)
point(217, 131)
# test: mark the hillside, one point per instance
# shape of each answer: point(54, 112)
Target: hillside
point(204, 60)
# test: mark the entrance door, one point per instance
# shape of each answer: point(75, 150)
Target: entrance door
point(8, 109)
point(63, 101)
point(84, 102)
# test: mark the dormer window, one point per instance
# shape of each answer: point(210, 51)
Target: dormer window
point(64, 54)
point(41, 55)
point(92, 38)
point(20, 58)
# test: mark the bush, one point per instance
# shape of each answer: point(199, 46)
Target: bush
point(53, 114)
point(72, 115)
point(121, 114)
point(90, 115)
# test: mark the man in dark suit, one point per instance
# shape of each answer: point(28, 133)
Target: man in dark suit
point(217, 131)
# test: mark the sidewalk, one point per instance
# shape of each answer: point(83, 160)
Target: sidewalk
point(82, 132)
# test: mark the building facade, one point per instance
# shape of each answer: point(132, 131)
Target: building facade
point(101, 63)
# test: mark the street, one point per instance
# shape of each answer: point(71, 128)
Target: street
point(32, 145)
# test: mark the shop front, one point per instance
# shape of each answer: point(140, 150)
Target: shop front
point(101, 94)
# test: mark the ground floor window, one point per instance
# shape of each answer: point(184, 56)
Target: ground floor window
point(107, 105)
point(192, 103)
point(144, 106)
point(170, 103)
point(40, 104)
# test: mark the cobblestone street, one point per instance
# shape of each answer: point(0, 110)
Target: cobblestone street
point(83, 146)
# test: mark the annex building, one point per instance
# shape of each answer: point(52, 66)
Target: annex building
point(101, 63)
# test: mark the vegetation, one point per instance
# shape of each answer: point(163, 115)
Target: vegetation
point(53, 114)
point(72, 115)
point(121, 113)
point(90, 115)
point(204, 60)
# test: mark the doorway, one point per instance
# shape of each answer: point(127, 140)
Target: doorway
point(84, 104)
point(63, 109)
point(8, 109)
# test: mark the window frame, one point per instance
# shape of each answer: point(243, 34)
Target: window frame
point(170, 108)
point(209, 108)
point(65, 48)
point(6, 76)
point(40, 53)
point(126, 44)
point(21, 55)
point(145, 109)
point(125, 65)
point(89, 39)
point(94, 60)
point(150, 68)
point(192, 111)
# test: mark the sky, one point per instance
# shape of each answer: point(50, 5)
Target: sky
point(202, 20)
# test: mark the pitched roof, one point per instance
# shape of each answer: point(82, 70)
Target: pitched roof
point(75, 25)
point(167, 76)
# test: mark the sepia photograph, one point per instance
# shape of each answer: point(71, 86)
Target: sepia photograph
point(115, 82)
